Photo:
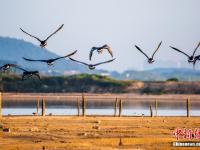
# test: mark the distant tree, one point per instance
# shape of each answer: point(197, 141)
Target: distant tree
point(172, 79)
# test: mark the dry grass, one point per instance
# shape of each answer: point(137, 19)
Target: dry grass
point(54, 132)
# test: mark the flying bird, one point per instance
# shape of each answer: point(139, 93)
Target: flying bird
point(43, 43)
point(100, 50)
point(195, 60)
point(190, 58)
point(91, 66)
point(29, 74)
point(51, 61)
point(7, 66)
point(150, 59)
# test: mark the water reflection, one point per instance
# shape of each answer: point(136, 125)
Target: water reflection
point(103, 106)
point(95, 111)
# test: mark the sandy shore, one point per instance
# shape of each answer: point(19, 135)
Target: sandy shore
point(58, 133)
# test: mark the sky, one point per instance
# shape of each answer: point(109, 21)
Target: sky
point(118, 23)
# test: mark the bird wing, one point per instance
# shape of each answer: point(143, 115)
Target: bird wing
point(20, 68)
point(23, 76)
point(196, 49)
point(30, 35)
point(13, 65)
point(104, 62)
point(91, 52)
point(34, 59)
point(109, 50)
point(157, 49)
point(78, 61)
point(37, 75)
point(180, 51)
point(55, 32)
point(68, 55)
point(141, 51)
point(2, 67)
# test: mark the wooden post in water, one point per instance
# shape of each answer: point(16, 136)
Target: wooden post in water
point(78, 107)
point(83, 105)
point(43, 107)
point(116, 101)
point(151, 111)
point(188, 107)
point(38, 106)
point(0, 104)
point(156, 107)
point(120, 107)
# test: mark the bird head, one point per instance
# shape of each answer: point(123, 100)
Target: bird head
point(150, 60)
point(191, 59)
point(50, 62)
point(91, 67)
point(43, 44)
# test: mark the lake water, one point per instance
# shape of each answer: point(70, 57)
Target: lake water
point(94, 111)
point(100, 105)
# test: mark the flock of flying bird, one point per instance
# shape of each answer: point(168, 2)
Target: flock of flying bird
point(50, 62)
point(43, 43)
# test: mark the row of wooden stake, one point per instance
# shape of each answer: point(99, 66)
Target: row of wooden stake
point(118, 102)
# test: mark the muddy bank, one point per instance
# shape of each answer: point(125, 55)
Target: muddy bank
point(85, 133)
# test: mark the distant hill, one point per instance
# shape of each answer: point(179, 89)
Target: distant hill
point(12, 50)
point(159, 74)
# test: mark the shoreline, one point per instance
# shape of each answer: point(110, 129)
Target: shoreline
point(93, 95)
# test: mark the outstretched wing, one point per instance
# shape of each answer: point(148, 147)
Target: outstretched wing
point(37, 75)
point(180, 51)
point(78, 61)
point(109, 49)
point(34, 60)
point(30, 35)
point(141, 51)
point(91, 52)
point(2, 67)
point(12, 65)
point(196, 49)
point(55, 32)
point(20, 68)
point(66, 55)
point(104, 62)
point(23, 76)
point(157, 49)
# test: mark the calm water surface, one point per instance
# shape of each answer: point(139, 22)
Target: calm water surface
point(102, 106)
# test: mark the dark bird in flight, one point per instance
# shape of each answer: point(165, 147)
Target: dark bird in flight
point(43, 43)
point(196, 58)
point(190, 58)
point(50, 62)
point(29, 74)
point(150, 59)
point(92, 66)
point(100, 50)
point(7, 66)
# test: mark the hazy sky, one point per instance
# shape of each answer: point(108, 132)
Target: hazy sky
point(119, 23)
